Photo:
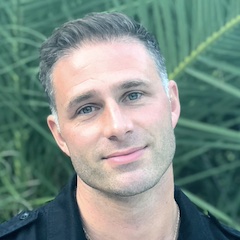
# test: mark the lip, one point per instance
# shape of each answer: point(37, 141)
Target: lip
point(126, 156)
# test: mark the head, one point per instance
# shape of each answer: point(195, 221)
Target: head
point(97, 27)
point(115, 118)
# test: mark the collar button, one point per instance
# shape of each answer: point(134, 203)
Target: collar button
point(24, 215)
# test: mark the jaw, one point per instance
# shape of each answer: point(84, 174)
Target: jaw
point(131, 216)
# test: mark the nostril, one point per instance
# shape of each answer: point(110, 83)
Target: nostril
point(113, 138)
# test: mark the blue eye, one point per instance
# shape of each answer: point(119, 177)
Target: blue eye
point(134, 96)
point(86, 110)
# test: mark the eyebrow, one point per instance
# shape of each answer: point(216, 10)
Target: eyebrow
point(133, 83)
point(92, 93)
point(84, 97)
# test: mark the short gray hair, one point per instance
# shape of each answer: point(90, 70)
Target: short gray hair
point(93, 28)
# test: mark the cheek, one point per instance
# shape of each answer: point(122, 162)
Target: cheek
point(81, 137)
point(156, 115)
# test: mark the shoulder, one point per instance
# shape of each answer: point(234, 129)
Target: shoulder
point(26, 225)
point(219, 228)
point(44, 221)
point(196, 225)
point(21, 221)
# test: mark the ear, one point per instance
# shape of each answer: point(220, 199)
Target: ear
point(174, 102)
point(53, 126)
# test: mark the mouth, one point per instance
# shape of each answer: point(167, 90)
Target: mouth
point(125, 156)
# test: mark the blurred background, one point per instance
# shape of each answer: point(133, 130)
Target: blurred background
point(200, 40)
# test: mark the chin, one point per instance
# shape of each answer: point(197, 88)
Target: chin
point(134, 188)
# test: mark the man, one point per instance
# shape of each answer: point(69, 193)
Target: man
point(113, 113)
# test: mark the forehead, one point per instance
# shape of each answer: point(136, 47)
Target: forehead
point(115, 54)
point(101, 65)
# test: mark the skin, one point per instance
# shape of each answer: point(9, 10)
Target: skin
point(115, 122)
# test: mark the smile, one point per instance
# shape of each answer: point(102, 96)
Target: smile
point(125, 157)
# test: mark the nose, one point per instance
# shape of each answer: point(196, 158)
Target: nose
point(117, 123)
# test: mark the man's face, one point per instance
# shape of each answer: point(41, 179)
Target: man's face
point(116, 121)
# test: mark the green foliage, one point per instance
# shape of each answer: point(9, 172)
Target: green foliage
point(200, 40)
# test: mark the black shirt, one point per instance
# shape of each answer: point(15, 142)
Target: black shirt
point(60, 220)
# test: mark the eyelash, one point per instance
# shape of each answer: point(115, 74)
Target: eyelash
point(127, 95)
point(85, 107)
point(139, 95)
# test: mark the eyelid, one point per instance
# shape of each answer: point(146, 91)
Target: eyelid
point(85, 106)
point(134, 91)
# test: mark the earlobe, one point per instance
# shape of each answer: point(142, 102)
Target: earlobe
point(53, 126)
point(174, 102)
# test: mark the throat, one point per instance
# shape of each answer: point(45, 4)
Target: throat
point(137, 232)
point(152, 216)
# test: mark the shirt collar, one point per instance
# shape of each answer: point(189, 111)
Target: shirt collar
point(64, 221)
point(191, 219)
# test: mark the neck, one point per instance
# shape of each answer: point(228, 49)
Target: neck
point(149, 215)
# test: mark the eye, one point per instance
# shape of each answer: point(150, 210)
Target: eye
point(134, 96)
point(86, 110)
